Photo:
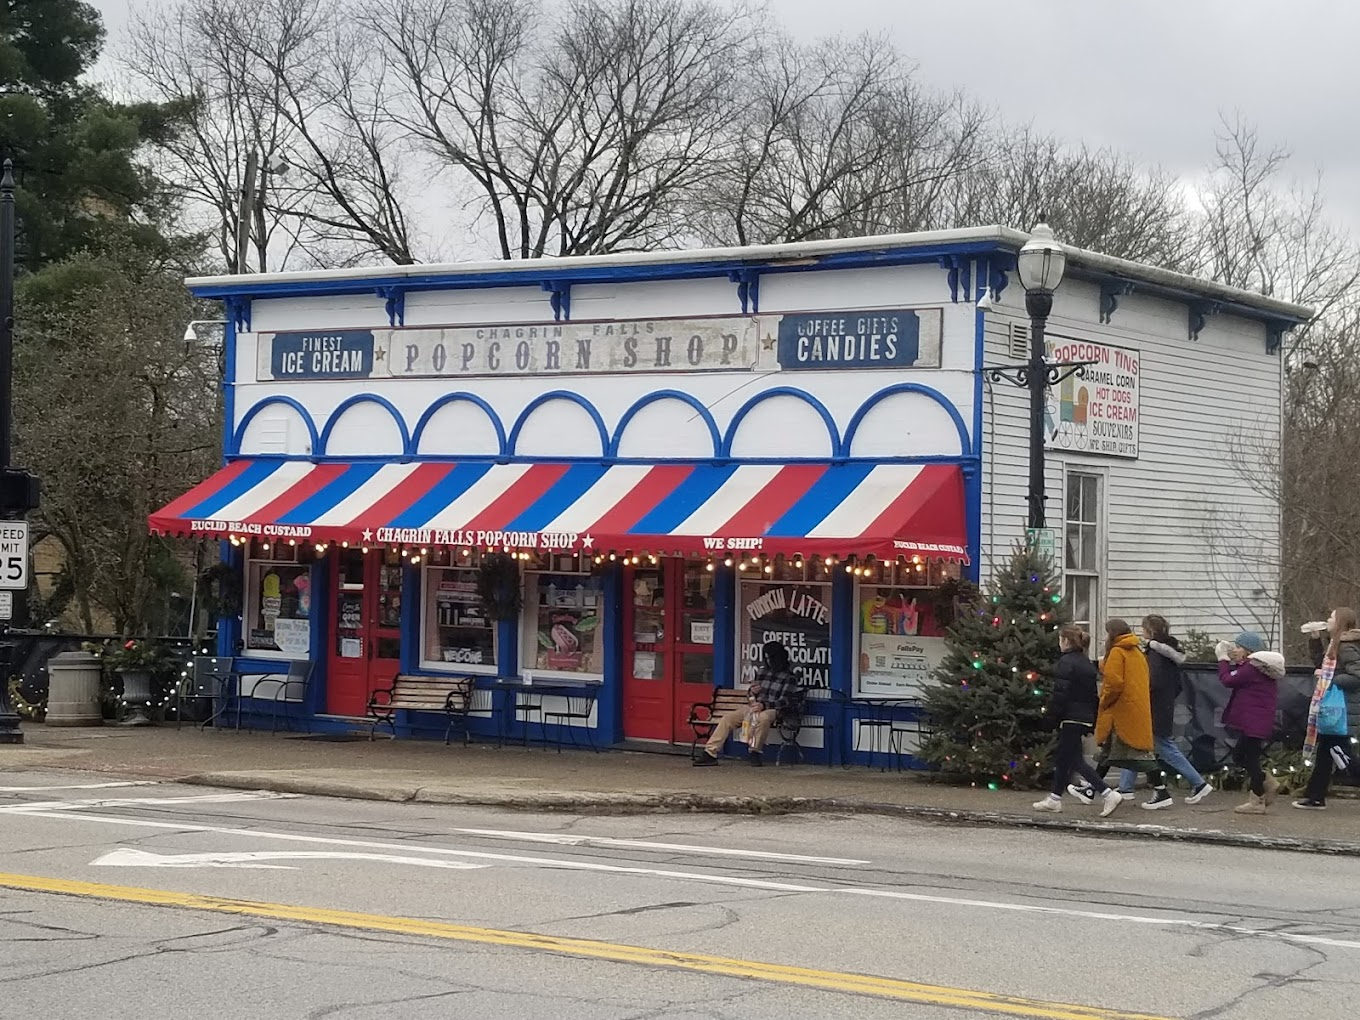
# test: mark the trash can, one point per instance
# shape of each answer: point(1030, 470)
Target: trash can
point(73, 687)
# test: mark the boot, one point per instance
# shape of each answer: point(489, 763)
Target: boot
point(1272, 789)
point(1254, 806)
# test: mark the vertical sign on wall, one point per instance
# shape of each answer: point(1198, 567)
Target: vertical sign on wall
point(1098, 412)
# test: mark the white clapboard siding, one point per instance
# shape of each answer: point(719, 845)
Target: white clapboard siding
point(1185, 534)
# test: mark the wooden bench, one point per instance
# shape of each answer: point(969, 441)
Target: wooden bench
point(704, 715)
point(450, 695)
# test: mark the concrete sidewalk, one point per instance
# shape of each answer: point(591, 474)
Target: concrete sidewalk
point(621, 782)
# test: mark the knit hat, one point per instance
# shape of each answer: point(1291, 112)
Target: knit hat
point(1250, 641)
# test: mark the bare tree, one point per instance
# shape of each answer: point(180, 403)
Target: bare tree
point(575, 143)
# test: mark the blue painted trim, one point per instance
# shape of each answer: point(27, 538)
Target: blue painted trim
point(410, 617)
point(322, 599)
point(229, 630)
point(784, 391)
point(529, 275)
point(559, 300)
point(234, 446)
point(844, 625)
point(609, 705)
point(725, 625)
point(366, 398)
point(965, 445)
point(453, 398)
point(972, 474)
point(545, 398)
point(688, 399)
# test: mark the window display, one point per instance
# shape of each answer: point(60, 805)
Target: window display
point(278, 607)
point(457, 631)
point(798, 616)
point(562, 623)
point(900, 643)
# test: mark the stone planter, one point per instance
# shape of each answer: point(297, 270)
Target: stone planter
point(73, 692)
point(136, 695)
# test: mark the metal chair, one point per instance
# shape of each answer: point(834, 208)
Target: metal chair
point(210, 679)
point(578, 708)
point(299, 676)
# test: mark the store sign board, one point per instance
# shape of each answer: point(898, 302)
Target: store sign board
point(822, 341)
point(1097, 412)
point(898, 666)
point(798, 616)
point(881, 338)
point(320, 354)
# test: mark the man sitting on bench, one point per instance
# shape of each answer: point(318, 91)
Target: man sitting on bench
point(776, 692)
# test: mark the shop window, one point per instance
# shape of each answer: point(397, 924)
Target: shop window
point(457, 633)
point(278, 597)
point(899, 641)
point(795, 613)
point(1082, 546)
point(562, 626)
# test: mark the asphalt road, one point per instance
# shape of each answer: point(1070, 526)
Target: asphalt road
point(126, 901)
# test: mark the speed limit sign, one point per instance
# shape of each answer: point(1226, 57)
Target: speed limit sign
point(13, 555)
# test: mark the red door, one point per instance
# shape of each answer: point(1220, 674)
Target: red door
point(668, 651)
point(365, 629)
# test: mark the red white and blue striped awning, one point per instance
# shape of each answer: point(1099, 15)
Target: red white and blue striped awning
point(864, 509)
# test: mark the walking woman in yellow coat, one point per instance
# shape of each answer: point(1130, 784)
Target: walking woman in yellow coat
point(1125, 718)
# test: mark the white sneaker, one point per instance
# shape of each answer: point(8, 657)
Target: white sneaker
point(1127, 796)
point(1050, 804)
point(1110, 801)
point(1202, 791)
point(1085, 794)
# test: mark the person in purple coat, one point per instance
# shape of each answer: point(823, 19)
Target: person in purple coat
point(1253, 675)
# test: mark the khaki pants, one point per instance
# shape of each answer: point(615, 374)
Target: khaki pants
point(760, 728)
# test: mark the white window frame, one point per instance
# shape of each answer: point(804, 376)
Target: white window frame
point(249, 618)
point(438, 665)
point(1072, 472)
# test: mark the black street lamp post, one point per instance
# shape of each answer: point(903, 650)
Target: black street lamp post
point(1040, 266)
point(18, 488)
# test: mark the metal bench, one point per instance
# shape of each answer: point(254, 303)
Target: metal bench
point(450, 695)
point(704, 715)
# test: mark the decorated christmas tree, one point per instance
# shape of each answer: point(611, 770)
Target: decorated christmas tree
point(986, 710)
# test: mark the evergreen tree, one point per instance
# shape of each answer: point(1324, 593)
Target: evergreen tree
point(74, 151)
point(986, 711)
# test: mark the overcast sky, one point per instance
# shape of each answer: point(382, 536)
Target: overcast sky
point(1148, 77)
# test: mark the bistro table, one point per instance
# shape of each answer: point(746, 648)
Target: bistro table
point(525, 695)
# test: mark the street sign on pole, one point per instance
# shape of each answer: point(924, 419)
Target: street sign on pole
point(1044, 541)
point(6, 605)
point(13, 556)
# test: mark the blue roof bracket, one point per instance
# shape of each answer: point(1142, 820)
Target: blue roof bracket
point(238, 311)
point(394, 299)
point(560, 299)
point(959, 273)
point(999, 268)
point(1199, 315)
point(748, 289)
point(1275, 331)
point(1110, 293)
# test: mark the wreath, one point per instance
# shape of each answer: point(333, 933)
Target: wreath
point(951, 598)
point(219, 590)
point(498, 586)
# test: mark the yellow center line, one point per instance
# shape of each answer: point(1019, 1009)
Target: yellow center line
point(824, 980)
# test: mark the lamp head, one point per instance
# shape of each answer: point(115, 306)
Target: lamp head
point(1041, 262)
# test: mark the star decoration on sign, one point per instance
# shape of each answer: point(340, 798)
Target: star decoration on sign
point(768, 343)
point(588, 542)
point(379, 354)
point(368, 535)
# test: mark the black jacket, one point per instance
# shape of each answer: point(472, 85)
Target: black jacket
point(1165, 659)
point(1075, 698)
point(1347, 672)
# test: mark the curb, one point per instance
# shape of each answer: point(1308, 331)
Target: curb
point(690, 803)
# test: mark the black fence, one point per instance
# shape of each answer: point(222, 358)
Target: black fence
point(1199, 716)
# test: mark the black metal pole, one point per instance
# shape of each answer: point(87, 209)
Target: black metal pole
point(1038, 304)
point(10, 733)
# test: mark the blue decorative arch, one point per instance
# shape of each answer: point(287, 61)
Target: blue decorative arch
point(366, 398)
point(240, 432)
point(512, 446)
point(783, 391)
point(455, 398)
point(651, 398)
point(965, 444)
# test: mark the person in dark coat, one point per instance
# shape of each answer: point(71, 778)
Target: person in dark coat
point(1165, 659)
point(1073, 708)
point(1253, 675)
point(1334, 752)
